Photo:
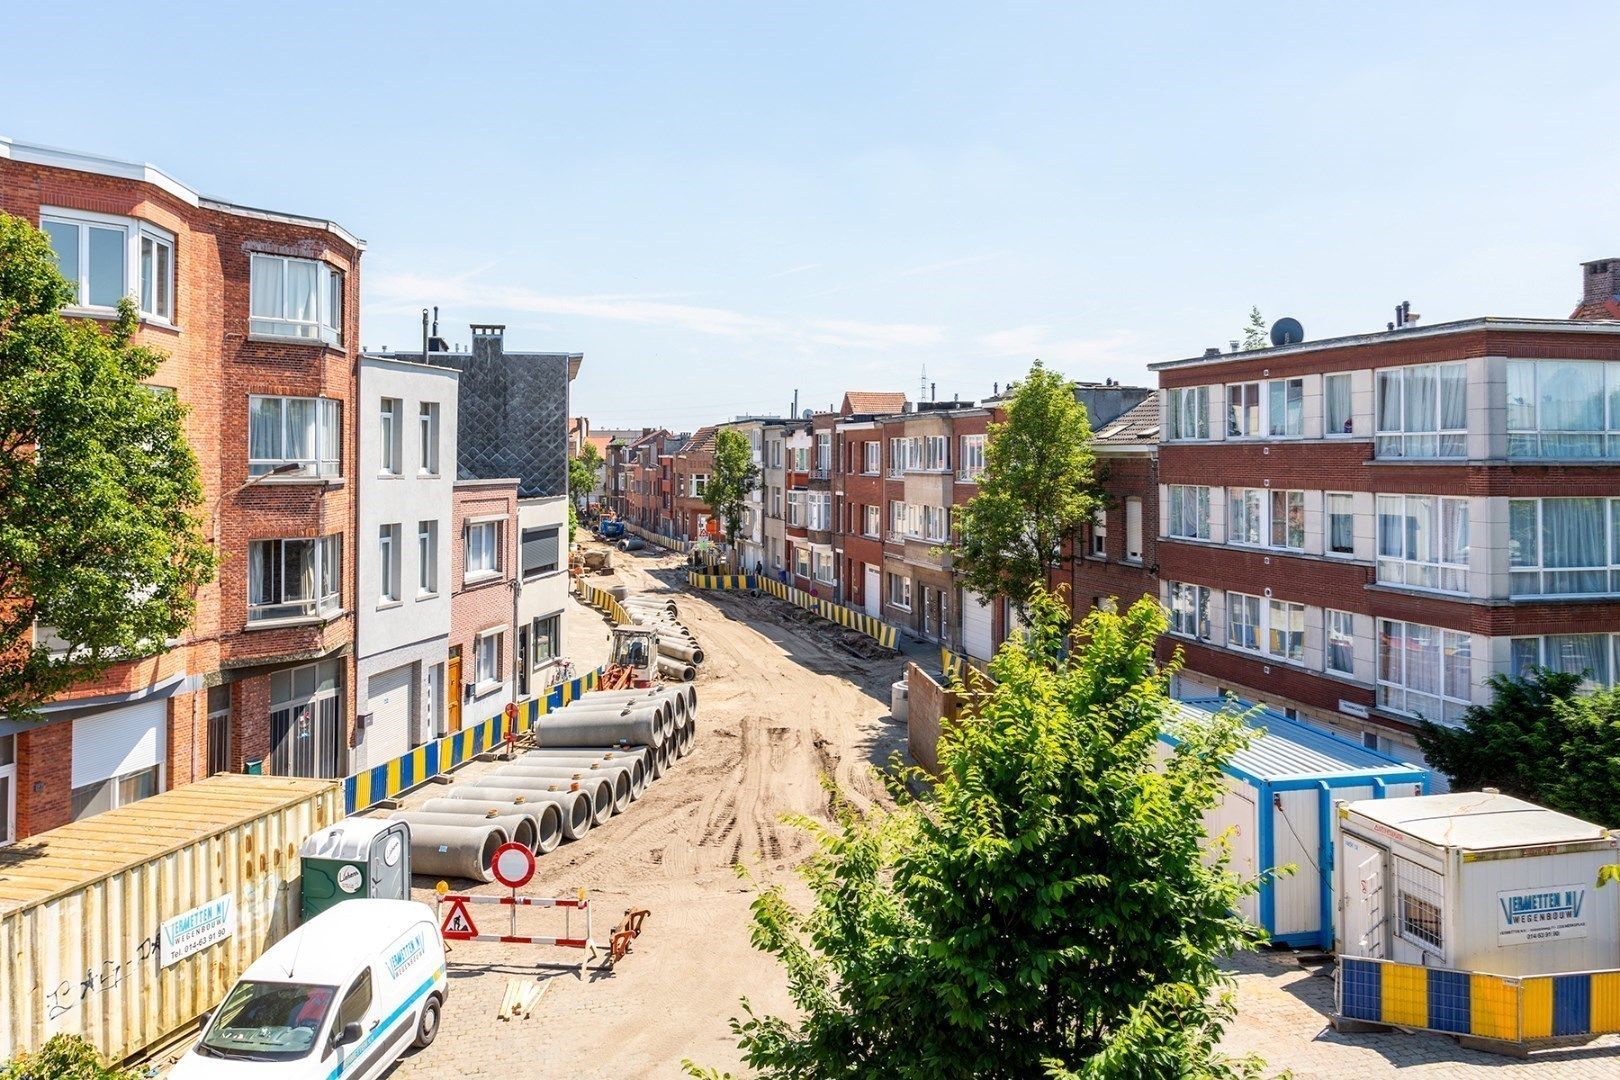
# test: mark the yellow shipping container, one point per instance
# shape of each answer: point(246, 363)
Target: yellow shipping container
point(126, 926)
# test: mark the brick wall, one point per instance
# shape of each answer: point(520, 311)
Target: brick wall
point(929, 707)
point(485, 604)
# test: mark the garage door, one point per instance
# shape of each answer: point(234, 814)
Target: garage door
point(976, 623)
point(126, 742)
point(389, 697)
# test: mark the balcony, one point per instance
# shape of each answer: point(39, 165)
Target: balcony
point(968, 476)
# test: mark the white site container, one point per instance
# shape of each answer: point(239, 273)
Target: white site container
point(1475, 881)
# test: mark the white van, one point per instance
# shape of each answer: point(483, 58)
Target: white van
point(343, 996)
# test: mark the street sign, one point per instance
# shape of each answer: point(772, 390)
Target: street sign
point(458, 924)
point(513, 865)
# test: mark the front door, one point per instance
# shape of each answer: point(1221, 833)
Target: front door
point(452, 692)
point(1363, 898)
point(873, 592)
point(931, 613)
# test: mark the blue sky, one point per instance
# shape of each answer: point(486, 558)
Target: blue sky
point(718, 204)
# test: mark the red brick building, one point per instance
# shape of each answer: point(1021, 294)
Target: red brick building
point(1119, 556)
point(690, 467)
point(483, 568)
point(258, 314)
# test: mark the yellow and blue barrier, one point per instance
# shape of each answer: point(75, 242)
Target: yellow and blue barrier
point(602, 601)
point(1504, 1008)
point(370, 786)
point(876, 629)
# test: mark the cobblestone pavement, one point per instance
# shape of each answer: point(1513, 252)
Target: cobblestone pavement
point(1283, 1010)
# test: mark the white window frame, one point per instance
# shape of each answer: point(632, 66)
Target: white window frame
point(137, 234)
point(936, 523)
point(1551, 581)
point(389, 559)
point(8, 808)
point(1292, 424)
point(1328, 514)
point(1097, 546)
point(872, 458)
point(1529, 442)
point(971, 459)
point(427, 419)
point(1329, 429)
point(1285, 617)
point(1133, 529)
point(818, 510)
point(326, 327)
point(1189, 611)
point(872, 523)
point(1179, 496)
point(1449, 443)
point(483, 540)
point(1187, 413)
point(390, 443)
point(796, 513)
point(1238, 414)
point(1271, 617)
point(427, 555)
point(824, 567)
point(1436, 574)
point(487, 661)
point(1338, 627)
point(936, 454)
point(325, 560)
point(1547, 648)
point(904, 603)
point(327, 438)
point(1394, 691)
point(801, 561)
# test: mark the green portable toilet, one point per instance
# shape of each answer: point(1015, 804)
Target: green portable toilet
point(359, 857)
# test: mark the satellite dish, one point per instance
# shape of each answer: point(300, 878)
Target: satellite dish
point(1287, 332)
point(808, 413)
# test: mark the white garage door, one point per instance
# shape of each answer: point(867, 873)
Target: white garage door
point(976, 623)
point(389, 697)
point(872, 591)
point(125, 744)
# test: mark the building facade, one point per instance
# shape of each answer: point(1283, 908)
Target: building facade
point(483, 601)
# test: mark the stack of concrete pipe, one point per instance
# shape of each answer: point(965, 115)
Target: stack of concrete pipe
point(593, 759)
point(679, 654)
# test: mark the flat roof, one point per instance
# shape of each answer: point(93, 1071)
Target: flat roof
point(53, 157)
point(1478, 821)
point(1288, 749)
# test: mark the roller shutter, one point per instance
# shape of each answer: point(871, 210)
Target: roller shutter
point(389, 698)
point(119, 741)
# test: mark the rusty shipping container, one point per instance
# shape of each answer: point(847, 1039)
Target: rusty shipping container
point(128, 925)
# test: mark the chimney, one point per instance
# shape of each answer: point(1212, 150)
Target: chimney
point(1600, 293)
point(1213, 350)
point(435, 342)
point(488, 341)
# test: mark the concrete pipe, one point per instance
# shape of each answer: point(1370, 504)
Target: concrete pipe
point(623, 790)
point(666, 755)
point(578, 813)
point(676, 669)
point(455, 851)
point(689, 653)
point(648, 692)
point(547, 816)
point(643, 728)
point(651, 600)
point(686, 739)
point(657, 762)
point(632, 767)
point(599, 789)
point(661, 716)
point(632, 543)
point(519, 827)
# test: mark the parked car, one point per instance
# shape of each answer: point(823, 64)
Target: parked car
point(344, 995)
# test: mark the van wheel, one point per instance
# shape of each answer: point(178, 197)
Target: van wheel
point(427, 1028)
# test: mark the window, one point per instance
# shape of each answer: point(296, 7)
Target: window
point(303, 432)
point(1243, 410)
point(873, 520)
point(1286, 631)
point(1423, 411)
point(428, 438)
point(795, 508)
point(1336, 404)
point(547, 637)
point(897, 518)
point(935, 453)
point(776, 503)
point(109, 794)
point(1189, 610)
point(1246, 518)
point(1419, 897)
point(1563, 409)
point(1285, 408)
point(542, 551)
point(1133, 529)
point(906, 455)
point(700, 481)
point(972, 457)
point(1288, 520)
point(818, 510)
point(1579, 654)
point(801, 561)
point(93, 256)
point(1188, 412)
point(824, 567)
point(1563, 547)
point(1099, 534)
point(388, 422)
point(1189, 512)
point(1423, 542)
point(355, 1003)
point(388, 558)
point(936, 523)
point(872, 457)
point(294, 578)
point(824, 452)
point(776, 455)
point(1424, 671)
point(900, 591)
point(1274, 627)
point(1341, 642)
point(1341, 524)
point(1243, 628)
point(156, 277)
point(296, 298)
point(306, 732)
point(483, 549)
point(427, 558)
point(487, 656)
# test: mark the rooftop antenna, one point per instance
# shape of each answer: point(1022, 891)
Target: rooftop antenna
point(922, 385)
point(1287, 331)
point(424, 335)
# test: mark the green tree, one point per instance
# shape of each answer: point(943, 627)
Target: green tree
point(1038, 487)
point(1255, 333)
point(99, 537)
point(731, 479)
point(1539, 739)
point(64, 1057)
point(1050, 907)
point(583, 470)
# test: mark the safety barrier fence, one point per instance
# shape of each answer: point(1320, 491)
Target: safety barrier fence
point(1513, 1009)
point(670, 543)
point(370, 786)
point(601, 600)
point(876, 629)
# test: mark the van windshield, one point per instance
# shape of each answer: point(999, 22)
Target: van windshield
point(268, 1021)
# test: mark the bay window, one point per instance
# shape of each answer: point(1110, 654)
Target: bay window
point(801, 561)
point(1423, 542)
point(296, 298)
point(303, 432)
point(1422, 411)
point(818, 510)
point(1189, 512)
point(1187, 412)
point(101, 256)
point(294, 578)
point(1424, 671)
point(1189, 610)
point(823, 566)
point(1563, 409)
point(935, 453)
point(1563, 547)
point(936, 523)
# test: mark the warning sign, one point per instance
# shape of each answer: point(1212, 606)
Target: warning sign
point(458, 924)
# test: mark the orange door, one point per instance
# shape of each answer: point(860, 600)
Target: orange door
point(452, 690)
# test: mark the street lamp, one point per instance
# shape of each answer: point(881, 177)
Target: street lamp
point(280, 470)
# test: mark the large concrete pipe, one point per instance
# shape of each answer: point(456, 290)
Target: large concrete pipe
point(599, 790)
point(577, 812)
point(457, 851)
point(520, 827)
point(686, 738)
point(632, 543)
point(642, 728)
point(676, 669)
point(547, 816)
point(632, 767)
point(624, 792)
point(664, 703)
point(670, 647)
point(650, 600)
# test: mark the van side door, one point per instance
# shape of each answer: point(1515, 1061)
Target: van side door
point(357, 1006)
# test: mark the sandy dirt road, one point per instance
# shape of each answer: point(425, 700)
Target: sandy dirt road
point(780, 707)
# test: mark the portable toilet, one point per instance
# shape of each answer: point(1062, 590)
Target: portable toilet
point(356, 857)
point(1278, 811)
point(1476, 881)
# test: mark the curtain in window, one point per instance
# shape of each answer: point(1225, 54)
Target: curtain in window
point(1287, 638)
point(302, 280)
point(1573, 534)
point(301, 429)
point(1458, 667)
point(1423, 660)
point(1422, 395)
point(1521, 395)
point(261, 586)
point(266, 300)
point(264, 429)
point(1454, 543)
point(1580, 654)
point(1341, 642)
point(1337, 393)
point(298, 561)
point(1341, 523)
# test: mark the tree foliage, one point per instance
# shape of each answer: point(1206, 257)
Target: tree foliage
point(1038, 487)
point(583, 470)
point(1255, 333)
point(98, 486)
point(1050, 907)
point(1539, 739)
point(732, 479)
point(64, 1057)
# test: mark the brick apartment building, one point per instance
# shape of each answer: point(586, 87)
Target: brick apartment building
point(258, 314)
point(483, 581)
point(1362, 530)
point(690, 467)
point(1119, 556)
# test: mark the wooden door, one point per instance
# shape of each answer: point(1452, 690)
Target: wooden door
point(452, 691)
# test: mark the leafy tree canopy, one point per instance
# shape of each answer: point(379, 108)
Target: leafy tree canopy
point(1050, 907)
point(98, 486)
point(583, 468)
point(732, 479)
point(1038, 487)
point(64, 1057)
point(1255, 333)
